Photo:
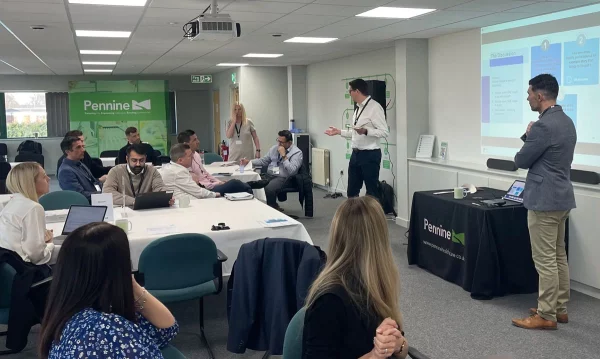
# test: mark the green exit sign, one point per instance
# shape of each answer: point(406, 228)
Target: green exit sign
point(233, 77)
point(201, 79)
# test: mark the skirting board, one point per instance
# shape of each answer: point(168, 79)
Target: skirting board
point(585, 289)
point(402, 222)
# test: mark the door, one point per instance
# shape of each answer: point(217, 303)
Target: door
point(217, 120)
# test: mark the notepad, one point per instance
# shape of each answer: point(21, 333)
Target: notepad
point(276, 222)
point(240, 196)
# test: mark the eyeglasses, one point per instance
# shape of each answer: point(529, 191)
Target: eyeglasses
point(281, 142)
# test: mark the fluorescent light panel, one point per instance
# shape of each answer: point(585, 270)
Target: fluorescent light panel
point(97, 70)
point(395, 12)
point(110, 2)
point(97, 33)
point(267, 56)
point(311, 40)
point(101, 63)
point(231, 64)
point(101, 52)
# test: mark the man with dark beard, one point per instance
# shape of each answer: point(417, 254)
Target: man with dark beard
point(133, 178)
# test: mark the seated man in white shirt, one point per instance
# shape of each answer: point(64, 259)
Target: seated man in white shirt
point(177, 177)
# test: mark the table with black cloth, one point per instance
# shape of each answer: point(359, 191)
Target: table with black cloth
point(485, 250)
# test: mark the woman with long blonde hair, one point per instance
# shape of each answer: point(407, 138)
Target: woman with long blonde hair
point(22, 220)
point(241, 133)
point(352, 309)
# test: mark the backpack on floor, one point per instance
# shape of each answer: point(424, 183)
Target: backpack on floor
point(387, 198)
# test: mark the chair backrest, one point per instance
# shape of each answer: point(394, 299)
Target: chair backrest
point(62, 200)
point(178, 261)
point(212, 157)
point(164, 159)
point(97, 161)
point(292, 344)
point(30, 157)
point(110, 153)
point(170, 352)
point(3, 149)
point(7, 274)
point(157, 153)
point(4, 169)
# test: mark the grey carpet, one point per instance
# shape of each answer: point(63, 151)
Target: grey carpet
point(441, 319)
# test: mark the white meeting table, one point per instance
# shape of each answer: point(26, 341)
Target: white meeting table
point(247, 176)
point(241, 216)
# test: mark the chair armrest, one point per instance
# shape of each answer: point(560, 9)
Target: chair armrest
point(37, 284)
point(221, 256)
point(415, 354)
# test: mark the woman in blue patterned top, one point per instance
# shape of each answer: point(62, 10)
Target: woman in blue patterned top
point(95, 307)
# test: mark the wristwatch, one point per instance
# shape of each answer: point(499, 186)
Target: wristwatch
point(257, 150)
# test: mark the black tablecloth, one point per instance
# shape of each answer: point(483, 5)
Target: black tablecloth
point(485, 250)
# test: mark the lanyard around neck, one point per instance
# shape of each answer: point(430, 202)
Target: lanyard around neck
point(131, 184)
point(238, 130)
point(361, 111)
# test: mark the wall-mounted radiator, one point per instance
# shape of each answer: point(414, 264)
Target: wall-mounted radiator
point(320, 166)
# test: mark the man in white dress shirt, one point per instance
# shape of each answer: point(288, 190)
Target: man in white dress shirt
point(369, 126)
point(177, 177)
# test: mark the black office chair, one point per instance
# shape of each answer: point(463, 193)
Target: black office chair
point(30, 157)
point(111, 153)
point(4, 169)
point(157, 153)
point(3, 152)
point(164, 159)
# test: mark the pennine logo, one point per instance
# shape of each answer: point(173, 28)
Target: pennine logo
point(117, 106)
point(444, 233)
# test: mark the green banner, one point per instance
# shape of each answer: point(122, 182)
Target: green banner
point(102, 110)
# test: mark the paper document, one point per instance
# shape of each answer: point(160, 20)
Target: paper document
point(104, 199)
point(168, 229)
point(277, 222)
point(240, 196)
point(57, 216)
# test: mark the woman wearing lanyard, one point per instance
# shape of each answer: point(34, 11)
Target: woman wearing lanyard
point(241, 133)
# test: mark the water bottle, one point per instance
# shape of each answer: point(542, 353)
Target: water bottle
point(242, 167)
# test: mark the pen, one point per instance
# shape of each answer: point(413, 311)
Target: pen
point(477, 204)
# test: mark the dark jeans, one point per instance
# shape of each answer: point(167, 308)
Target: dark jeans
point(364, 166)
point(232, 186)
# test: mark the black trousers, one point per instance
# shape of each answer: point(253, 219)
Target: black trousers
point(364, 167)
point(232, 186)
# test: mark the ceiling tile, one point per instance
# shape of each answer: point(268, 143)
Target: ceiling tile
point(545, 7)
point(337, 10)
point(428, 4)
point(33, 8)
point(350, 27)
point(491, 5)
point(311, 19)
point(372, 3)
point(262, 6)
point(286, 29)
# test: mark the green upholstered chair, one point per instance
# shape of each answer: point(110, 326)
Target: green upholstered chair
point(210, 157)
point(183, 267)
point(170, 352)
point(292, 343)
point(62, 200)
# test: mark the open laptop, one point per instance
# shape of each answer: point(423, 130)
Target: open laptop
point(515, 192)
point(152, 200)
point(80, 216)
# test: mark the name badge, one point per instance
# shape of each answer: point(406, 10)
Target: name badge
point(238, 142)
point(98, 188)
point(276, 170)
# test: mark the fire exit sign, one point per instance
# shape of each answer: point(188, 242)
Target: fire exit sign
point(201, 79)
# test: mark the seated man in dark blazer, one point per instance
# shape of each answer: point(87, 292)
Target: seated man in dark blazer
point(73, 175)
point(98, 170)
point(133, 137)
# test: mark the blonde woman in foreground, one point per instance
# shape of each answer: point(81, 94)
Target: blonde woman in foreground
point(352, 308)
point(241, 133)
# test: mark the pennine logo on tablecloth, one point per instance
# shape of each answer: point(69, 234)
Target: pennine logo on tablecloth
point(440, 231)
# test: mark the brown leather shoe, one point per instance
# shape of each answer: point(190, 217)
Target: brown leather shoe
point(534, 322)
point(561, 318)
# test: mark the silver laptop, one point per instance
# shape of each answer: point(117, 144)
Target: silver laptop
point(79, 216)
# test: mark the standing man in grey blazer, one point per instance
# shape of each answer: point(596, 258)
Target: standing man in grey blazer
point(548, 153)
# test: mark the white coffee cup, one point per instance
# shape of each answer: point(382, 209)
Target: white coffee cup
point(184, 202)
point(460, 193)
point(124, 224)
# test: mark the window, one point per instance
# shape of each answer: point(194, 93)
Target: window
point(26, 114)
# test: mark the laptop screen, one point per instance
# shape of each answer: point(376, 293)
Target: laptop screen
point(81, 215)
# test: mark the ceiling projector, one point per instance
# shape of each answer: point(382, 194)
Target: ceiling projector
point(215, 27)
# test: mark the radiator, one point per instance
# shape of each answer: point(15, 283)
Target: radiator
point(320, 166)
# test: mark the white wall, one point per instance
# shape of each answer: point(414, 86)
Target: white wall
point(264, 93)
point(327, 102)
point(454, 94)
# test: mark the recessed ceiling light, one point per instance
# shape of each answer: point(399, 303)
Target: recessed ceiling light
point(107, 63)
point(395, 12)
point(94, 33)
point(100, 52)
point(268, 56)
point(311, 40)
point(97, 70)
point(231, 64)
point(110, 2)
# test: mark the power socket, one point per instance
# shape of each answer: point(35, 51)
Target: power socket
point(341, 172)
